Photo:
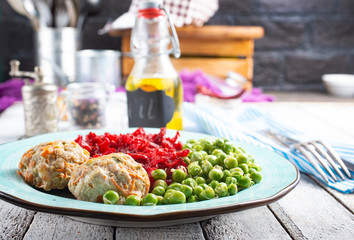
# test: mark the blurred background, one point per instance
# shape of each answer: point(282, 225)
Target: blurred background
point(303, 40)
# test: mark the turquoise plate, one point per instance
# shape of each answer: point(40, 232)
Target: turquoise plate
point(279, 177)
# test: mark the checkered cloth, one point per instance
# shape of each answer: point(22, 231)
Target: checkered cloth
point(183, 13)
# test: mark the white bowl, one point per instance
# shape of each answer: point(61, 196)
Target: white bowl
point(340, 85)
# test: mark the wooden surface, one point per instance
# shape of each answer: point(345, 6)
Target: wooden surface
point(310, 211)
point(216, 50)
point(215, 32)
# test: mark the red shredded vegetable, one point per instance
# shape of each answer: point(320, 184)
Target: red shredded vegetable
point(153, 151)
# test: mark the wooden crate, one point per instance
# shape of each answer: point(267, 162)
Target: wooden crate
point(214, 49)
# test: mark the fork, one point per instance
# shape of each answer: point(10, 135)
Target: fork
point(316, 152)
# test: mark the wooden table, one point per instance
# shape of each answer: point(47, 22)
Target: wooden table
point(310, 211)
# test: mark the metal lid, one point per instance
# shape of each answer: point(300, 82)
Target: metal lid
point(150, 4)
point(39, 87)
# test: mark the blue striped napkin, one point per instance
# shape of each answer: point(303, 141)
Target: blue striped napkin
point(247, 126)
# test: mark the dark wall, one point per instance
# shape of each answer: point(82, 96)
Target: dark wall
point(303, 38)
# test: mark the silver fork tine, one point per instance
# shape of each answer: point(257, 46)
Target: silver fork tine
point(337, 158)
point(309, 146)
point(315, 152)
point(327, 156)
point(308, 156)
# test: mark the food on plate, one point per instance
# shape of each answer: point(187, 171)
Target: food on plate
point(113, 172)
point(153, 151)
point(141, 169)
point(49, 165)
point(215, 168)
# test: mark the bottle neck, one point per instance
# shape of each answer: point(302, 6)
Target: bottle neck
point(150, 37)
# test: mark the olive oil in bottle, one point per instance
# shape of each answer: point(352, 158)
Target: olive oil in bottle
point(154, 89)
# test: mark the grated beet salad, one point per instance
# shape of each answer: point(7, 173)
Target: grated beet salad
point(153, 151)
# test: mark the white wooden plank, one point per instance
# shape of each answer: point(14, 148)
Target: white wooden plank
point(185, 231)
point(346, 199)
point(14, 221)
point(256, 223)
point(49, 226)
point(311, 213)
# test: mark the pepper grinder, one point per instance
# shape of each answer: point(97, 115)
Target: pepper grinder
point(39, 100)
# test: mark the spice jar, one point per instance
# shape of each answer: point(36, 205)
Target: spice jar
point(39, 101)
point(41, 111)
point(86, 104)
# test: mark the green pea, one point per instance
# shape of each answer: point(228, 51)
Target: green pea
point(204, 154)
point(160, 200)
point(197, 147)
point(194, 163)
point(230, 162)
point(226, 174)
point(159, 190)
point(206, 167)
point(200, 180)
point(110, 197)
point(244, 167)
point(256, 176)
point(178, 175)
point(160, 182)
point(133, 200)
point(175, 186)
point(191, 141)
point(242, 158)
point(213, 184)
point(228, 147)
point(187, 190)
point(236, 169)
point(190, 182)
point(217, 152)
point(219, 142)
point(196, 156)
point(231, 180)
point(149, 200)
point(174, 197)
point(198, 190)
point(204, 185)
point(216, 174)
point(255, 166)
point(187, 160)
point(159, 174)
point(192, 198)
point(238, 175)
point(187, 146)
point(251, 170)
point(244, 182)
point(207, 193)
point(221, 190)
point(232, 189)
point(194, 170)
point(221, 157)
point(206, 144)
point(213, 160)
point(211, 150)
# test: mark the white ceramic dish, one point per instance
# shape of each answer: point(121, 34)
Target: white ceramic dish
point(339, 85)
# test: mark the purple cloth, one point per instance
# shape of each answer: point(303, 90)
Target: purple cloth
point(10, 92)
point(256, 95)
point(191, 80)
